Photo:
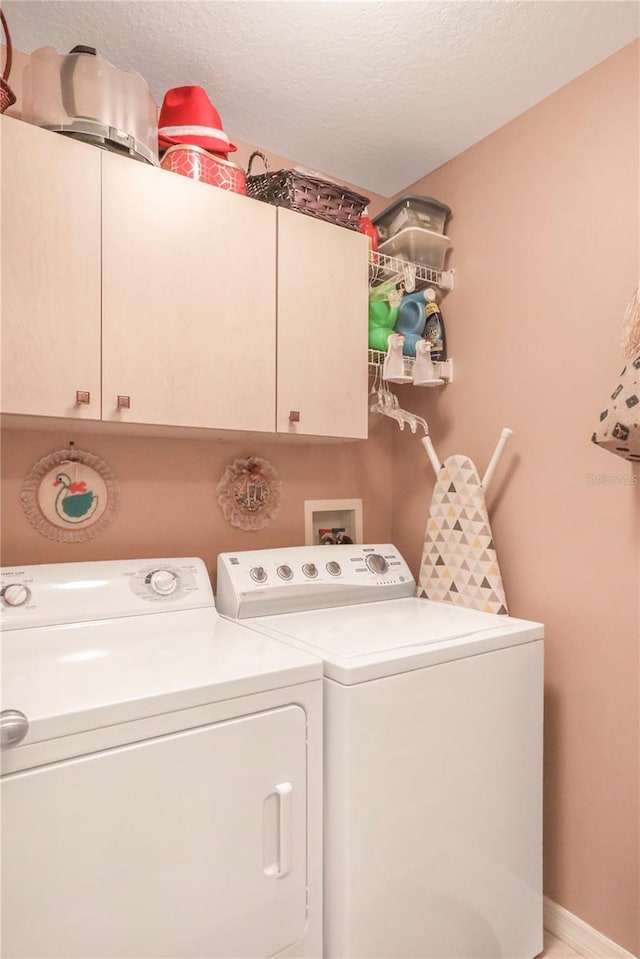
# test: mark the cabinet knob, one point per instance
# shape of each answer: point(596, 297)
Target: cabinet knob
point(294, 416)
point(124, 403)
point(82, 397)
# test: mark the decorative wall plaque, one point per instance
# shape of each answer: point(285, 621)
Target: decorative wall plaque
point(70, 496)
point(249, 493)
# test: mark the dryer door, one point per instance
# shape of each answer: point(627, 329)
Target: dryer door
point(191, 844)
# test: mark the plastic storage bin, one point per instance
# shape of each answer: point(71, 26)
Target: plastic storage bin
point(423, 247)
point(412, 210)
point(82, 95)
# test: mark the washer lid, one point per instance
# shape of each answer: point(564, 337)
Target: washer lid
point(360, 643)
point(82, 676)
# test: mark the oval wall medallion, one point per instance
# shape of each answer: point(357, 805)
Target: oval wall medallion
point(249, 493)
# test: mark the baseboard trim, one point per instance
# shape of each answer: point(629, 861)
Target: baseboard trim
point(579, 935)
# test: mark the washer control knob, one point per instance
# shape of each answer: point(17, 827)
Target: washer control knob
point(310, 570)
point(163, 582)
point(285, 572)
point(377, 563)
point(334, 568)
point(17, 594)
point(258, 574)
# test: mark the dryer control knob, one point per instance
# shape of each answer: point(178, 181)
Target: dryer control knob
point(17, 594)
point(259, 574)
point(310, 570)
point(285, 572)
point(163, 582)
point(334, 568)
point(377, 563)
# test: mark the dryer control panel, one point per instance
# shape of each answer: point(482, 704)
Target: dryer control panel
point(50, 595)
point(271, 581)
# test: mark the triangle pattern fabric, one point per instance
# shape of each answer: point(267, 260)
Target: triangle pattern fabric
point(459, 562)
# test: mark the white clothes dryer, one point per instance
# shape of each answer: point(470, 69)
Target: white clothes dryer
point(433, 752)
point(161, 771)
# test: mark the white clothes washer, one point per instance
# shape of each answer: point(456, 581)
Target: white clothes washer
point(161, 771)
point(433, 752)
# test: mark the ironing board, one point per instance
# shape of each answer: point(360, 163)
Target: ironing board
point(459, 562)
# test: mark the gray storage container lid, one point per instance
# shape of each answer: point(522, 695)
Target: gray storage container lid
point(397, 204)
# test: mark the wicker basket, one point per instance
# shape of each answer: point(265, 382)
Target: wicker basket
point(306, 194)
point(7, 96)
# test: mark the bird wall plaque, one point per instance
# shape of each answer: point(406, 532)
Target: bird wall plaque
point(70, 495)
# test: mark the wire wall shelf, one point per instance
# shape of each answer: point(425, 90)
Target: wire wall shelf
point(383, 268)
point(444, 368)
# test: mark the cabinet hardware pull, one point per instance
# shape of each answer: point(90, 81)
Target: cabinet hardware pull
point(82, 397)
point(124, 402)
point(294, 416)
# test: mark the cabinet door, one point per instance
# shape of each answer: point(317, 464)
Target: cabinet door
point(188, 845)
point(322, 328)
point(50, 273)
point(188, 301)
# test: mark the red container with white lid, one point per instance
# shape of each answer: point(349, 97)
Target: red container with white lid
point(198, 164)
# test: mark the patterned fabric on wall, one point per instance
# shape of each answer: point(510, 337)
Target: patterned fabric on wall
point(619, 429)
point(459, 562)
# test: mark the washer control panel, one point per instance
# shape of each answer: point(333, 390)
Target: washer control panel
point(50, 595)
point(259, 582)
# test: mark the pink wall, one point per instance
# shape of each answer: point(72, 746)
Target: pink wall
point(168, 494)
point(546, 251)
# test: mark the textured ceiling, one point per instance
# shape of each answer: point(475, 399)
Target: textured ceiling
point(377, 93)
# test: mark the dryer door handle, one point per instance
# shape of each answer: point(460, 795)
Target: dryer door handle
point(285, 797)
point(277, 836)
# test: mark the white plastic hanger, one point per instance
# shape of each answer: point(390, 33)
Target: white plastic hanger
point(386, 402)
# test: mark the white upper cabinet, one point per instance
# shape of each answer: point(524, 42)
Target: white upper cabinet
point(189, 301)
point(136, 296)
point(322, 328)
point(50, 273)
